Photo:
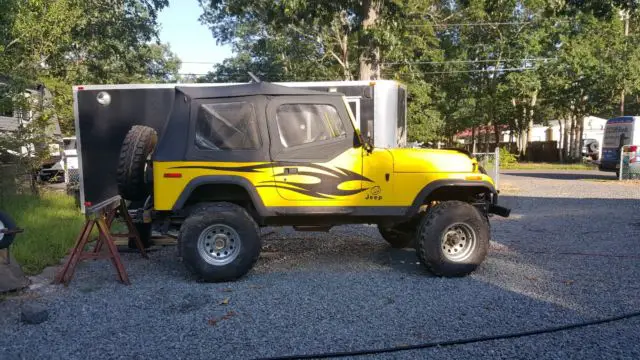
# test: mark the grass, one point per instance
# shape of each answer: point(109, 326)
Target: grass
point(549, 166)
point(51, 223)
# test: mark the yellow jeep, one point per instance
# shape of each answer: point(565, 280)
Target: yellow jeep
point(231, 159)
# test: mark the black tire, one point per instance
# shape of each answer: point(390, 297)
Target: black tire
point(136, 149)
point(430, 244)
point(6, 222)
point(215, 215)
point(398, 238)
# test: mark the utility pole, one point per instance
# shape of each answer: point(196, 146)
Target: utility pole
point(625, 15)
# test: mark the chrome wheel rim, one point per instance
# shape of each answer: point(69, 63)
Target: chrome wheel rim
point(1, 227)
point(219, 244)
point(458, 242)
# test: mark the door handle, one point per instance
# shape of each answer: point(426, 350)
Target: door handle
point(289, 171)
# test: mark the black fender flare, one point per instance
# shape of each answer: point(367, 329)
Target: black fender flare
point(438, 184)
point(221, 180)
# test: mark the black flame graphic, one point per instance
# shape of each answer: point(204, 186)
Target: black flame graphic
point(326, 188)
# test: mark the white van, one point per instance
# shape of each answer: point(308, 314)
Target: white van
point(620, 131)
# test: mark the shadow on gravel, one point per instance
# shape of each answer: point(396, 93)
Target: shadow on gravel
point(565, 175)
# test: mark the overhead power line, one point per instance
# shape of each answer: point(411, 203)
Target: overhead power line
point(472, 71)
point(416, 62)
point(487, 23)
point(463, 61)
point(473, 24)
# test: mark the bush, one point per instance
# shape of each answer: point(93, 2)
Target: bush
point(507, 159)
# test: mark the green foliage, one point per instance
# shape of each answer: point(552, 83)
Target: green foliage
point(51, 222)
point(507, 159)
point(465, 62)
point(60, 43)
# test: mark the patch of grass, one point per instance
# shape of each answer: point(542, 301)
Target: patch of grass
point(51, 223)
point(550, 166)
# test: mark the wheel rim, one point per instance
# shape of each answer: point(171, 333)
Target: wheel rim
point(458, 242)
point(219, 244)
point(1, 227)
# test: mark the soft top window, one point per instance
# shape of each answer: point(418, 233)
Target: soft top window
point(300, 124)
point(227, 126)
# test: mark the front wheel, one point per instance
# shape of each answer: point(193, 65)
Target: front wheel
point(452, 239)
point(220, 242)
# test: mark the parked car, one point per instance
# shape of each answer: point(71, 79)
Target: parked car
point(591, 149)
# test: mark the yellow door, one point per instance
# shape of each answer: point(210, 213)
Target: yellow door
point(377, 167)
point(312, 147)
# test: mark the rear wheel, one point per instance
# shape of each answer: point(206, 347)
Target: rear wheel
point(220, 242)
point(452, 239)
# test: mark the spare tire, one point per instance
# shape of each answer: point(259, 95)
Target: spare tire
point(136, 150)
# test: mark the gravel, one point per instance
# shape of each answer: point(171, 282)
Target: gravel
point(568, 253)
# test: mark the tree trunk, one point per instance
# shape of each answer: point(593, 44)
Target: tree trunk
point(369, 56)
point(580, 136)
point(572, 131)
point(497, 133)
point(575, 154)
point(565, 140)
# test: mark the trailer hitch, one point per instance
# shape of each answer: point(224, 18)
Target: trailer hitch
point(11, 231)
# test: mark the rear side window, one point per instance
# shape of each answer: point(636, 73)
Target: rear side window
point(227, 126)
point(300, 124)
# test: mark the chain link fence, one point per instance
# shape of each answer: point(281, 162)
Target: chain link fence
point(490, 162)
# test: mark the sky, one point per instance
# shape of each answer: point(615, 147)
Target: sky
point(188, 38)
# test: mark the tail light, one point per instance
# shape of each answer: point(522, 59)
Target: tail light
point(632, 148)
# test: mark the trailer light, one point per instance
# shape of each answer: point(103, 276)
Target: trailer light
point(80, 88)
point(633, 148)
point(87, 203)
point(172, 175)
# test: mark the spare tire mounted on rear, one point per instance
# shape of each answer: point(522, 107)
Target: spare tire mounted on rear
point(136, 150)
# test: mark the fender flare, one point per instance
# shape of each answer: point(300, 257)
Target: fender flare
point(221, 180)
point(438, 184)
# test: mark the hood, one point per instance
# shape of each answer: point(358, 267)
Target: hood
point(431, 161)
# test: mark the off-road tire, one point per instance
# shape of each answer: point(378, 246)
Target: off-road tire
point(6, 222)
point(230, 215)
point(136, 149)
point(397, 238)
point(429, 238)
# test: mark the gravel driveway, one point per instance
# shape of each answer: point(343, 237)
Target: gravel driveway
point(568, 253)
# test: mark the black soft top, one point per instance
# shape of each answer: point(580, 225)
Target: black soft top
point(260, 88)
